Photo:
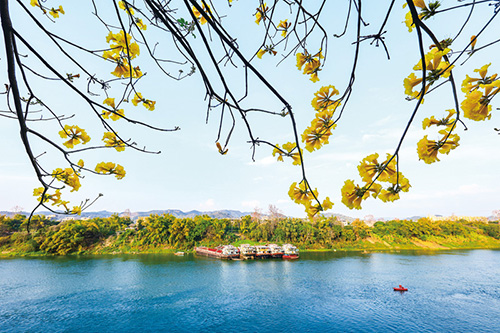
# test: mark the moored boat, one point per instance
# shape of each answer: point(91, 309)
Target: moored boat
point(220, 252)
point(262, 251)
point(276, 251)
point(247, 251)
point(290, 251)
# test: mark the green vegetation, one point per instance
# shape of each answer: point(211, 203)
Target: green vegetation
point(166, 233)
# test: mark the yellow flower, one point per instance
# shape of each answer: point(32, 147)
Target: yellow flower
point(304, 58)
point(109, 168)
point(442, 122)
point(470, 84)
point(199, 16)
point(76, 210)
point(68, 177)
point(324, 98)
point(287, 150)
point(409, 83)
point(121, 4)
point(284, 25)
point(148, 104)
point(55, 12)
point(392, 192)
point(140, 24)
point(476, 106)
point(267, 49)
point(109, 101)
point(122, 68)
point(408, 21)
point(122, 43)
point(137, 98)
point(473, 41)
point(369, 167)
point(76, 135)
point(261, 13)
point(110, 140)
point(324, 121)
point(81, 163)
point(428, 150)
point(312, 210)
point(352, 195)
point(434, 65)
point(114, 115)
point(55, 198)
point(420, 3)
point(315, 138)
point(301, 194)
point(221, 150)
point(312, 68)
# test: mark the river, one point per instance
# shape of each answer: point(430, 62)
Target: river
point(449, 291)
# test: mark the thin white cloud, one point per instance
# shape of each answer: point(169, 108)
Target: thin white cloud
point(264, 161)
point(207, 205)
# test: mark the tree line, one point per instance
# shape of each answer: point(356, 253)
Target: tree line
point(160, 232)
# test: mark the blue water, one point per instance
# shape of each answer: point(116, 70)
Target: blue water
point(455, 291)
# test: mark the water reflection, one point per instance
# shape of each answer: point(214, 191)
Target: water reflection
point(322, 291)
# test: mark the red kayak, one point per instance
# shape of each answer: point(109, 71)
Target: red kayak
point(400, 288)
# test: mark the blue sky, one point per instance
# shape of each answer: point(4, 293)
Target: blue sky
point(190, 173)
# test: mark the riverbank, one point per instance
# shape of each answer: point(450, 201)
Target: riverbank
point(370, 244)
point(168, 234)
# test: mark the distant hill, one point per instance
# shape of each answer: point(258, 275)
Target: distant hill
point(221, 214)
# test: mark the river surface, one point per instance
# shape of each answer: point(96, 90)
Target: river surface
point(452, 291)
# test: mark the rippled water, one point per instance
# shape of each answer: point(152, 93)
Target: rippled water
point(321, 292)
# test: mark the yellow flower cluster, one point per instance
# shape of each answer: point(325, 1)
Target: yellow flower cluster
point(318, 133)
point(54, 12)
point(148, 104)
point(311, 64)
point(198, 15)
point(370, 170)
point(68, 177)
point(436, 68)
point(446, 121)
point(302, 194)
point(116, 114)
point(425, 12)
point(287, 150)
point(283, 27)
point(75, 134)
point(110, 140)
point(261, 13)
point(138, 22)
point(427, 149)
point(55, 200)
point(478, 94)
point(110, 168)
point(122, 49)
point(267, 49)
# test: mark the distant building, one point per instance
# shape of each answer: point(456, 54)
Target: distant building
point(458, 218)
